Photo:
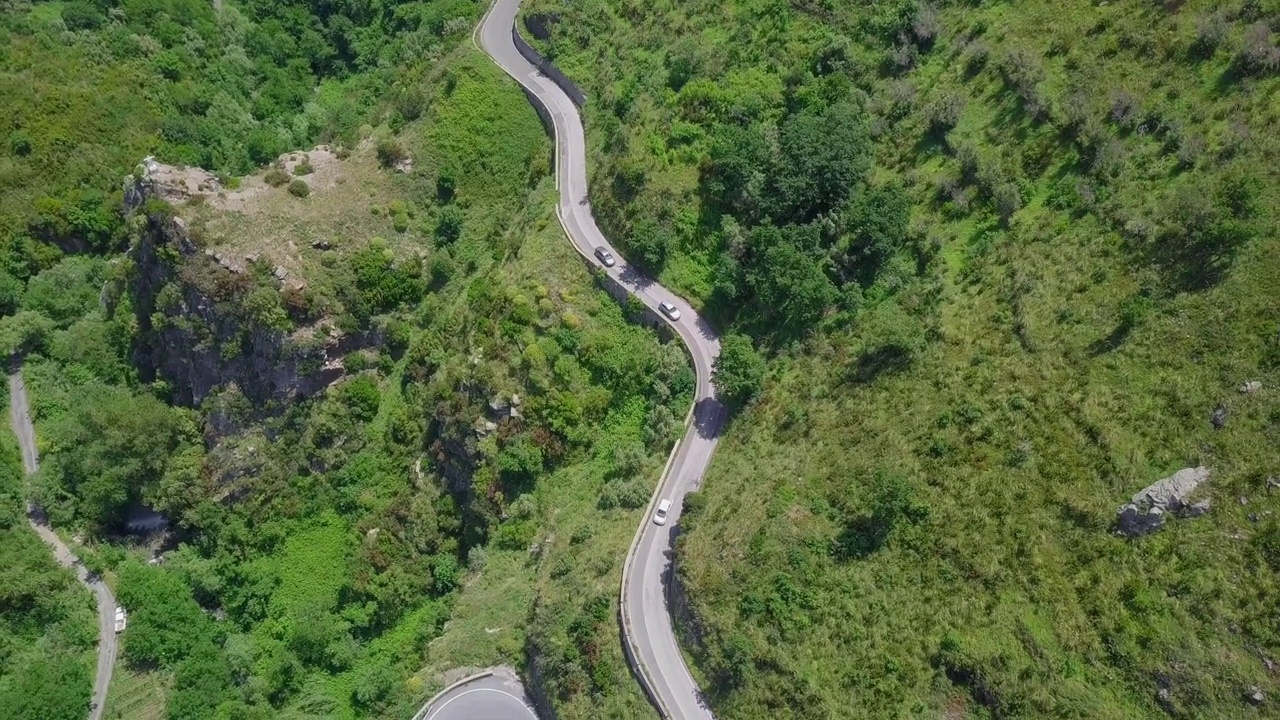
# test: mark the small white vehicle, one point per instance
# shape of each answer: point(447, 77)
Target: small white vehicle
point(671, 311)
point(121, 619)
point(606, 257)
point(660, 516)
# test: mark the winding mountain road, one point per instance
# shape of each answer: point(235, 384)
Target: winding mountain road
point(649, 637)
point(20, 420)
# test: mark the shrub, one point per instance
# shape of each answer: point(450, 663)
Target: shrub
point(361, 397)
point(626, 494)
point(391, 153)
point(1258, 52)
point(82, 16)
point(303, 168)
point(384, 285)
point(275, 177)
point(299, 188)
point(1125, 108)
point(449, 225)
point(925, 26)
point(446, 185)
point(20, 143)
point(945, 112)
point(1211, 31)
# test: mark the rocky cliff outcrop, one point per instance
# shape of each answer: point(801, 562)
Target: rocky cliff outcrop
point(200, 313)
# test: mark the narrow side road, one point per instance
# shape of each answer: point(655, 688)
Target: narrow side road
point(20, 420)
point(649, 637)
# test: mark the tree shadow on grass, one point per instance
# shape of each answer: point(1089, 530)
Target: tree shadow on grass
point(1111, 342)
point(862, 537)
point(883, 360)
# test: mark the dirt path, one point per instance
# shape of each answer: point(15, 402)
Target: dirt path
point(20, 420)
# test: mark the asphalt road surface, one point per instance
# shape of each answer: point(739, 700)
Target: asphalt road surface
point(645, 616)
point(20, 420)
point(490, 698)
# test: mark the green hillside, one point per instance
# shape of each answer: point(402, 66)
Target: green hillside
point(459, 490)
point(1005, 260)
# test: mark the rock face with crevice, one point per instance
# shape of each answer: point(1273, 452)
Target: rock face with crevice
point(1147, 510)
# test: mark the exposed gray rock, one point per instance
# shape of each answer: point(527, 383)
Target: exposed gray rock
point(1251, 387)
point(1219, 417)
point(1146, 511)
point(1198, 509)
point(499, 408)
point(1255, 696)
point(321, 244)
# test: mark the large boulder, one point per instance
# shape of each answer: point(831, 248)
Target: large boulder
point(1147, 510)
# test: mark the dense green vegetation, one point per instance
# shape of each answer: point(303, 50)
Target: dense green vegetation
point(92, 86)
point(1005, 259)
point(317, 547)
point(48, 623)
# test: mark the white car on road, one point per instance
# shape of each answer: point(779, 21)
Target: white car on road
point(660, 516)
point(606, 257)
point(671, 311)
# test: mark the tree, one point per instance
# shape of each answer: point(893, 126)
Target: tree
point(739, 163)
point(629, 457)
point(520, 460)
point(108, 450)
point(11, 290)
point(67, 290)
point(824, 155)
point(875, 224)
point(28, 330)
point(449, 225)
point(651, 243)
point(46, 687)
point(202, 681)
point(739, 369)
point(361, 397)
point(165, 623)
point(790, 288)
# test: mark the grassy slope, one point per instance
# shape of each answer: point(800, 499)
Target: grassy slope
point(1032, 414)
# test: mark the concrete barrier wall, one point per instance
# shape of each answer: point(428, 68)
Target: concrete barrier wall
point(546, 68)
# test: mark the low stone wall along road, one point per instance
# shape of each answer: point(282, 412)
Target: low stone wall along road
point(491, 697)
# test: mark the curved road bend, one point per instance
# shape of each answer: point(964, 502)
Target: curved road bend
point(489, 698)
point(20, 420)
point(661, 666)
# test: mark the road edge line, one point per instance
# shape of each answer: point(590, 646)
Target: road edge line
point(629, 646)
point(434, 698)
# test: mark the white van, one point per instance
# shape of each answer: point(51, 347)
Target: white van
point(664, 507)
